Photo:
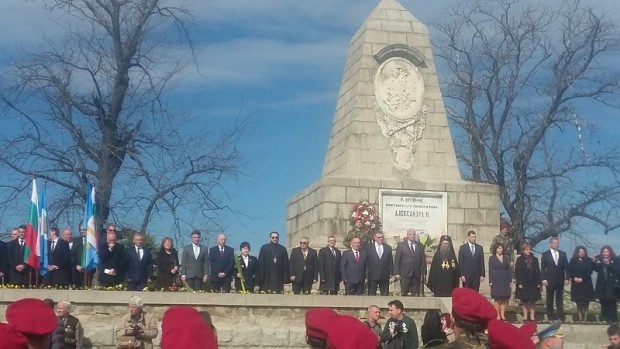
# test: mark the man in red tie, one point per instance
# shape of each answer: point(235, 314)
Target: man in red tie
point(353, 268)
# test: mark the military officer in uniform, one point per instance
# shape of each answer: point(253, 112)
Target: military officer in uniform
point(504, 238)
point(358, 232)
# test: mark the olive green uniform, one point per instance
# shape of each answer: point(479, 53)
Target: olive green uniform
point(507, 244)
point(464, 341)
point(364, 236)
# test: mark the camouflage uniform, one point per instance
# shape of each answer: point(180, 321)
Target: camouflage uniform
point(464, 341)
point(507, 244)
point(364, 236)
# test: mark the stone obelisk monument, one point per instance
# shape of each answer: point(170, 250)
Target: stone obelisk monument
point(391, 146)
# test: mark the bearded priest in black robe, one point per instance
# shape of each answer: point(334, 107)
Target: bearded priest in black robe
point(444, 276)
point(273, 265)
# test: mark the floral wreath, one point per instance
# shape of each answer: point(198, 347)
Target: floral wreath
point(367, 213)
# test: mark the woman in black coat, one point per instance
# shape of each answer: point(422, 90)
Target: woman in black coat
point(167, 266)
point(580, 270)
point(527, 275)
point(607, 266)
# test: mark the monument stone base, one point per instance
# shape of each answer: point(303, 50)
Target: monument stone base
point(322, 209)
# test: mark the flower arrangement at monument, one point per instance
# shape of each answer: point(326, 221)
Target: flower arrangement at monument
point(370, 220)
point(366, 212)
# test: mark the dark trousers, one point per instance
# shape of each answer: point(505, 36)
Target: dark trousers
point(194, 283)
point(136, 285)
point(472, 282)
point(82, 279)
point(555, 292)
point(355, 289)
point(220, 285)
point(410, 286)
point(304, 285)
point(609, 310)
point(383, 285)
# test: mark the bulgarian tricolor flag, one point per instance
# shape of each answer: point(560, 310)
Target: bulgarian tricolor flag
point(32, 230)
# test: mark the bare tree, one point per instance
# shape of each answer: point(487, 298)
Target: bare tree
point(93, 105)
point(524, 83)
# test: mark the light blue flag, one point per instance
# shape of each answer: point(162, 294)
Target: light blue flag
point(42, 235)
point(90, 258)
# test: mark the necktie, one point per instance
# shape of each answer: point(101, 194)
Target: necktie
point(357, 257)
point(333, 252)
point(21, 242)
point(555, 257)
point(411, 247)
point(380, 251)
point(139, 250)
point(305, 254)
point(53, 245)
point(221, 252)
point(473, 249)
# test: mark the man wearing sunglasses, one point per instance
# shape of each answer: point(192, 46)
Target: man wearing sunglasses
point(303, 267)
point(273, 264)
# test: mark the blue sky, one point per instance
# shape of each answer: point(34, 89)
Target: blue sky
point(277, 63)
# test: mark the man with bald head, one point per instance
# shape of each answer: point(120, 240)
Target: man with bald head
point(221, 263)
point(410, 264)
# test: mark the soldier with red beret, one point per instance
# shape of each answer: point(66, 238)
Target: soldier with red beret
point(471, 312)
point(506, 336)
point(327, 329)
point(184, 328)
point(30, 323)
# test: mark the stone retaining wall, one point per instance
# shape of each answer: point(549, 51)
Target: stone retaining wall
point(253, 320)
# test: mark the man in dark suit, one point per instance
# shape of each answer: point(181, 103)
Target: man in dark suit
point(222, 263)
point(353, 268)
point(249, 269)
point(19, 271)
point(554, 274)
point(195, 263)
point(78, 276)
point(303, 267)
point(111, 261)
point(67, 235)
point(380, 267)
point(410, 264)
point(329, 267)
point(471, 262)
point(4, 263)
point(58, 260)
point(139, 264)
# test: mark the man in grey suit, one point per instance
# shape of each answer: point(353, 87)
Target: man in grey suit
point(380, 265)
point(471, 262)
point(353, 268)
point(410, 264)
point(195, 263)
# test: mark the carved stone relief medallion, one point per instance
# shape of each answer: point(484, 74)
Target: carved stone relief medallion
point(400, 111)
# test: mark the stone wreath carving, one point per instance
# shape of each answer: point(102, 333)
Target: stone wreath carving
point(400, 109)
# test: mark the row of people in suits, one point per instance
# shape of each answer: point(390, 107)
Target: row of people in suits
point(371, 267)
point(64, 254)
